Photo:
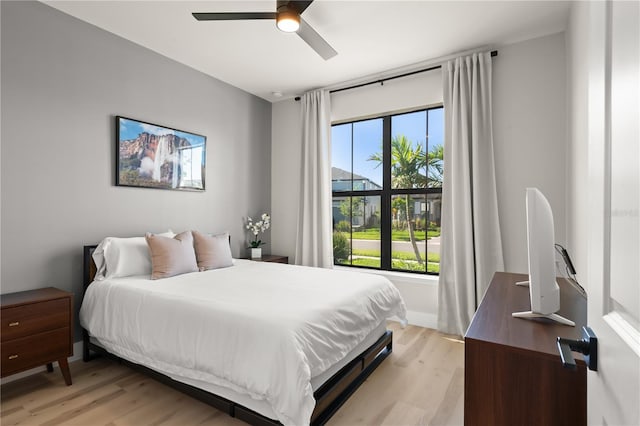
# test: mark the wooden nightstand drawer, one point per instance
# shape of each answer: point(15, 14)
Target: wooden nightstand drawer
point(35, 350)
point(272, 258)
point(278, 259)
point(37, 328)
point(34, 318)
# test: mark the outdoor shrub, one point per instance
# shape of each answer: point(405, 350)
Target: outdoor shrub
point(343, 226)
point(341, 249)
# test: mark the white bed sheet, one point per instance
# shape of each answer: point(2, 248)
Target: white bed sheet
point(259, 329)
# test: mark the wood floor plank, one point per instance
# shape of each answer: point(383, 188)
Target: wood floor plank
point(140, 392)
point(420, 383)
point(38, 405)
point(404, 414)
point(52, 386)
point(70, 414)
point(13, 410)
point(62, 408)
point(408, 334)
point(152, 412)
point(452, 397)
point(414, 349)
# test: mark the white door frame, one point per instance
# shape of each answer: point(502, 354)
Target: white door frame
point(614, 190)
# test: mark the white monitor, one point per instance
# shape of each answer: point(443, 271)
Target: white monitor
point(543, 288)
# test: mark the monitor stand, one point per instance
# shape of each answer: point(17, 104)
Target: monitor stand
point(554, 317)
point(531, 315)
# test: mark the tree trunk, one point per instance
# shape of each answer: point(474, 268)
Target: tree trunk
point(411, 235)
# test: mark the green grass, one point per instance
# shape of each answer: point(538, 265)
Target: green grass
point(399, 255)
point(413, 266)
point(370, 262)
point(398, 265)
point(367, 234)
point(396, 235)
point(433, 268)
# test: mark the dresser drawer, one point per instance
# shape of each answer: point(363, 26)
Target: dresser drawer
point(33, 351)
point(33, 318)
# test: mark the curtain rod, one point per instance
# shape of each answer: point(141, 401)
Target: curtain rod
point(382, 80)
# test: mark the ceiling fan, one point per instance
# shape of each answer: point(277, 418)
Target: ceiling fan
point(287, 18)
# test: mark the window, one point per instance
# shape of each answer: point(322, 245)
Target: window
point(387, 191)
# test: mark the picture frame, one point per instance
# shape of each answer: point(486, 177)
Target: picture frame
point(153, 156)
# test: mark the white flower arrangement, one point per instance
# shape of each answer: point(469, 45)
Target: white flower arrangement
point(256, 228)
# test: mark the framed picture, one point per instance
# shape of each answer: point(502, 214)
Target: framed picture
point(153, 156)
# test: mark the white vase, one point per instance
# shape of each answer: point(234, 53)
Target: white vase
point(256, 253)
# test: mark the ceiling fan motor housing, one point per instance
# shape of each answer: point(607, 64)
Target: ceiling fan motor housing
point(287, 18)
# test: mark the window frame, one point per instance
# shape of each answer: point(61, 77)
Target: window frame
point(387, 192)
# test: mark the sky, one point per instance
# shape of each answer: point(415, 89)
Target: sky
point(367, 139)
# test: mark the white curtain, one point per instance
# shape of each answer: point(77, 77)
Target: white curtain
point(314, 243)
point(471, 246)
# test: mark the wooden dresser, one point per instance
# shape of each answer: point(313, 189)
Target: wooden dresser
point(37, 329)
point(513, 372)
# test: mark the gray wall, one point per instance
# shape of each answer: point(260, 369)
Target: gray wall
point(530, 138)
point(63, 81)
point(577, 43)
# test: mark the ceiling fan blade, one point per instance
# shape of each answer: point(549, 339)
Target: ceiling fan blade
point(313, 39)
point(299, 6)
point(233, 16)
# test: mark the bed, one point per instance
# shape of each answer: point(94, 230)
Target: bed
point(264, 342)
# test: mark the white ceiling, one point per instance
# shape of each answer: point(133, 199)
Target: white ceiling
point(371, 37)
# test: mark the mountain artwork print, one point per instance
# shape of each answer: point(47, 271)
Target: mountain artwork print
point(152, 156)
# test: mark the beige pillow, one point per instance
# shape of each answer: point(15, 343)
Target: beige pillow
point(212, 252)
point(171, 256)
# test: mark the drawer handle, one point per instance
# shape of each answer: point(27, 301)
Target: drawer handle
point(13, 324)
point(13, 356)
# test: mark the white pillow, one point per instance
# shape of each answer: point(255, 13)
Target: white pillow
point(123, 257)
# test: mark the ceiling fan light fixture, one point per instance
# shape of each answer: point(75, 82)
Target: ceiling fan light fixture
point(288, 21)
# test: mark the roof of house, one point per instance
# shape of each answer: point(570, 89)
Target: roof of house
point(339, 174)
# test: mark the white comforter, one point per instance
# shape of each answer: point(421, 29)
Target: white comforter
point(262, 329)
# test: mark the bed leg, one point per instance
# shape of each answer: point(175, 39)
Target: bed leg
point(86, 352)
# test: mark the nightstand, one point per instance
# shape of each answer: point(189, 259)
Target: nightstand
point(273, 258)
point(37, 329)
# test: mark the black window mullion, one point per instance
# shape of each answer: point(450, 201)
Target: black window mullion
point(426, 145)
point(418, 191)
point(385, 201)
point(351, 204)
point(426, 197)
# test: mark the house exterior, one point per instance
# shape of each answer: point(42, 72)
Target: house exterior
point(369, 207)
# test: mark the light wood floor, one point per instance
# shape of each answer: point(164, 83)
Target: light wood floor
point(421, 383)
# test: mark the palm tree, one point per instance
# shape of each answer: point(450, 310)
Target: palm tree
point(435, 167)
point(407, 163)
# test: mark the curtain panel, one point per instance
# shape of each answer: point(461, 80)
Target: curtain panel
point(314, 242)
point(471, 246)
